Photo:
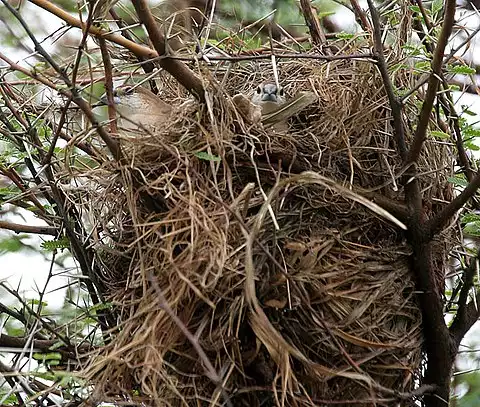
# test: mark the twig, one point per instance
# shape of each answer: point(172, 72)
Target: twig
point(437, 223)
point(45, 324)
point(42, 345)
point(446, 99)
point(469, 316)
point(18, 228)
point(395, 103)
point(313, 24)
point(360, 16)
point(461, 323)
point(82, 104)
point(293, 55)
point(176, 68)
point(17, 180)
point(137, 49)
point(433, 82)
point(107, 65)
point(146, 65)
point(113, 145)
point(48, 157)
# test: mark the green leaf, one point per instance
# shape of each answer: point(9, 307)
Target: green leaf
point(207, 157)
point(100, 306)
point(344, 36)
point(325, 14)
point(11, 400)
point(460, 70)
point(47, 356)
point(437, 5)
point(412, 50)
point(51, 245)
point(470, 132)
point(472, 229)
point(470, 217)
point(471, 145)
point(459, 182)
point(440, 135)
point(467, 111)
point(12, 244)
point(423, 65)
point(35, 301)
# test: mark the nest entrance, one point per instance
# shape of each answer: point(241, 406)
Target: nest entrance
point(296, 292)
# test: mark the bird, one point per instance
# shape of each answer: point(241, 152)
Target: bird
point(270, 106)
point(269, 97)
point(138, 108)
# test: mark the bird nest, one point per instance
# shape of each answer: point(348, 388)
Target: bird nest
point(252, 267)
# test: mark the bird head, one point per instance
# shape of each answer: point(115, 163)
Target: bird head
point(123, 95)
point(268, 92)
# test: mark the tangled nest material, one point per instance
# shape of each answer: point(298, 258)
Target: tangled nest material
point(297, 293)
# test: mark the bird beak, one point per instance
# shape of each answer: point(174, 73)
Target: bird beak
point(269, 97)
point(104, 102)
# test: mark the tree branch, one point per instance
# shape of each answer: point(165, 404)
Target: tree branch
point(395, 104)
point(176, 68)
point(137, 49)
point(437, 223)
point(112, 145)
point(313, 24)
point(433, 82)
point(18, 228)
point(360, 16)
point(466, 315)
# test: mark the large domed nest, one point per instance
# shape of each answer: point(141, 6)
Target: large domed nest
point(253, 267)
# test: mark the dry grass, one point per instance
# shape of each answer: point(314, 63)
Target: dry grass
point(297, 292)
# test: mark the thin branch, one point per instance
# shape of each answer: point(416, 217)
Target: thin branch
point(470, 315)
point(17, 180)
point(146, 65)
point(395, 104)
point(360, 16)
point(176, 68)
point(40, 230)
point(313, 24)
point(433, 82)
point(464, 318)
point(41, 345)
point(31, 311)
point(437, 223)
point(107, 65)
point(63, 117)
point(293, 55)
point(112, 145)
point(137, 49)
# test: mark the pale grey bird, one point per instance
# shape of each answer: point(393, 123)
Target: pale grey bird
point(138, 107)
point(269, 97)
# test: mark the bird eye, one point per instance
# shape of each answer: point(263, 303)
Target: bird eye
point(128, 90)
point(259, 90)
